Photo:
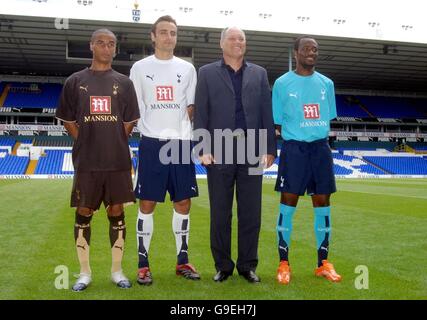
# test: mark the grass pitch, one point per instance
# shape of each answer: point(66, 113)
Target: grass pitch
point(377, 224)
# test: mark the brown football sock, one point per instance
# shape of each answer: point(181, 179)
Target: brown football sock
point(117, 241)
point(82, 239)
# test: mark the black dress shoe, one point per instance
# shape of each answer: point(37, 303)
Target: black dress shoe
point(221, 276)
point(250, 276)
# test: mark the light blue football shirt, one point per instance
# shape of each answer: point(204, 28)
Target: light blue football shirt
point(304, 106)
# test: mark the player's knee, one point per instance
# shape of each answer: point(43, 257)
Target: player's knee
point(115, 210)
point(147, 206)
point(183, 206)
point(321, 200)
point(83, 220)
point(289, 199)
point(85, 212)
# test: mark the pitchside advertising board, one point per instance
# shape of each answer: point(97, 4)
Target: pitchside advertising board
point(164, 92)
point(268, 176)
point(35, 176)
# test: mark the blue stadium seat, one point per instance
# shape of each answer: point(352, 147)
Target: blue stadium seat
point(391, 107)
point(348, 108)
point(11, 164)
point(200, 169)
point(134, 143)
point(346, 165)
point(401, 165)
point(419, 146)
point(363, 145)
point(7, 141)
point(47, 97)
point(52, 162)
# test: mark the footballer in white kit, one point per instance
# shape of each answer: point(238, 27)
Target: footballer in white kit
point(165, 89)
point(165, 86)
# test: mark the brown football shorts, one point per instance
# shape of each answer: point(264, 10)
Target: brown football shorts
point(90, 189)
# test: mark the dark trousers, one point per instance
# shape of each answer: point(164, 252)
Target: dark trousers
point(221, 182)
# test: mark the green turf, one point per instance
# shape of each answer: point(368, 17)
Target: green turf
point(380, 224)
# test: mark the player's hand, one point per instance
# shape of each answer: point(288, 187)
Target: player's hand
point(207, 159)
point(267, 160)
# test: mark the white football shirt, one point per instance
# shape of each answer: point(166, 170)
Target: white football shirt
point(165, 88)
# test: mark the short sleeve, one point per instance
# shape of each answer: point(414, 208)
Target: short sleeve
point(131, 110)
point(277, 105)
point(332, 103)
point(66, 110)
point(191, 89)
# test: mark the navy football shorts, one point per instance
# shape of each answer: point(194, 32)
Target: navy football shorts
point(155, 178)
point(306, 166)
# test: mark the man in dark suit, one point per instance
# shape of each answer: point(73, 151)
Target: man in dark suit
point(234, 95)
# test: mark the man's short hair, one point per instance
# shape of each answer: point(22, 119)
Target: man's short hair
point(166, 18)
point(102, 31)
point(224, 31)
point(298, 40)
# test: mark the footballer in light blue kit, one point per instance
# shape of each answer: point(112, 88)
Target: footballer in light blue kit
point(303, 106)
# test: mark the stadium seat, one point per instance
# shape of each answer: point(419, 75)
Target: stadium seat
point(53, 163)
point(404, 165)
point(11, 164)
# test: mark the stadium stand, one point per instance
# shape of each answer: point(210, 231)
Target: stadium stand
point(351, 165)
point(339, 170)
point(420, 146)
point(385, 108)
point(46, 95)
point(414, 165)
point(6, 141)
point(53, 141)
point(134, 143)
point(10, 164)
point(24, 140)
point(351, 158)
point(53, 163)
point(391, 107)
point(363, 145)
point(347, 106)
point(200, 170)
point(30, 95)
point(350, 162)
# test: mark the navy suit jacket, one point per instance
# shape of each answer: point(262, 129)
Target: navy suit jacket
point(215, 101)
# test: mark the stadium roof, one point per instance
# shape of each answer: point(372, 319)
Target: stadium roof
point(31, 45)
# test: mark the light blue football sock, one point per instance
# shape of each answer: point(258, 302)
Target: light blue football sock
point(284, 230)
point(322, 230)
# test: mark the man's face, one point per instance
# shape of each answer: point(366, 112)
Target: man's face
point(103, 48)
point(307, 53)
point(165, 37)
point(234, 43)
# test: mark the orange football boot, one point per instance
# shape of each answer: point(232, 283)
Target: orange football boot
point(327, 270)
point(284, 272)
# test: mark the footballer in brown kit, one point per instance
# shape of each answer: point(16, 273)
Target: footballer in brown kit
point(99, 109)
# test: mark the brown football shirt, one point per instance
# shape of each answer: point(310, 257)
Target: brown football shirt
point(99, 102)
